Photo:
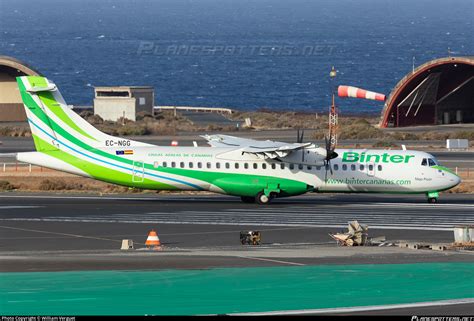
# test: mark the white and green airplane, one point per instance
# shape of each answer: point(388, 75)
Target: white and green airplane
point(256, 171)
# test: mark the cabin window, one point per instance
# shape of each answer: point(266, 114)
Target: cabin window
point(336, 167)
point(424, 162)
point(379, 168)
point(344, 167)
point(199, 165)
point(156, 164)
point(274, 166)
point(191, 165)
point(264, 166)
point(208, 165)
point(181, 164)
point(246, 165)
point(300, 166)
point(282, 166)
point(431, 162)
point(227, 165)
point(371, 167)
point(164, 164)
point(353, 167)
point(361, 167)
point(292, 166)
point(218, 165)
point(310, 167)
point(318, 168)
point(173, 164)
point(255, 166)
point(236, 165)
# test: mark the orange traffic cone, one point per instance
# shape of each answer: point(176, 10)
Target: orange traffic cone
point(153, 240)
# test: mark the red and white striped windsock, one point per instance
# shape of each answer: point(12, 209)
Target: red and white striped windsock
point(349, 91)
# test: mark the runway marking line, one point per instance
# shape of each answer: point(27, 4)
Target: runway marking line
point(443, 227)
point(63, 234)
point(207, 197)
point(270, 260)
point(12, 207)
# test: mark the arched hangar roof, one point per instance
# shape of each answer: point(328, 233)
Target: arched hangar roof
point(11, 106)
point(19, 66)
point(437, 92)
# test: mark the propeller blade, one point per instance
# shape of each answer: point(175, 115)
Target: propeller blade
point(326, 173)
point(301, 141)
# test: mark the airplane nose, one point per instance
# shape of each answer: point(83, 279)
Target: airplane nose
point(455, 179)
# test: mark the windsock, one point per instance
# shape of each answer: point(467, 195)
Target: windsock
point(349, 91)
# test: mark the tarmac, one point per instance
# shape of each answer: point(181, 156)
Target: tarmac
point(83, 232)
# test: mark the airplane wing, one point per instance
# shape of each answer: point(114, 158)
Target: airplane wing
point(262, 149)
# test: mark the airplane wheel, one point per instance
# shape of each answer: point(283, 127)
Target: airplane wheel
point(262, 199)
point(247, 199)
point(432, 200)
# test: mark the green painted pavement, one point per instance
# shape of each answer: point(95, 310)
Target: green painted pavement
point(230, 290)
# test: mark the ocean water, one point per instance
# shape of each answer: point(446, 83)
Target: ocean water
point(243, 54)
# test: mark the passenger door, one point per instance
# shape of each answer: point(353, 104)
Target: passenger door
point(138, 171)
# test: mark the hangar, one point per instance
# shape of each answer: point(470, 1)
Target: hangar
point(438, 92)
point(11, 106)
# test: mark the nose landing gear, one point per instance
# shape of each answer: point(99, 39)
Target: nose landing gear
point(432, 200)
point(432, 197)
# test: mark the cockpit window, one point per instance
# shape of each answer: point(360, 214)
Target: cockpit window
point(424, 162)
point(432, 162)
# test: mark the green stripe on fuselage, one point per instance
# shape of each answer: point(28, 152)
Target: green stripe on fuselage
point(103, 173)
point(241, 184)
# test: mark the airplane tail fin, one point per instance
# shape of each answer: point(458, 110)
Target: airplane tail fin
point(52, 122)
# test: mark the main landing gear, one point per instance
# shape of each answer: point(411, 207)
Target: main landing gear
point(261, 199)
point(247, 199)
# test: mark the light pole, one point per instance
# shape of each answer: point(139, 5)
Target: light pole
point(333, 112)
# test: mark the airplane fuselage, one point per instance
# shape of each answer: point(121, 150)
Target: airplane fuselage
point(228, 171)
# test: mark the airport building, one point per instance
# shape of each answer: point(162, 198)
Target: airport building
point(438, 92)
point(113, 103)
point(11, 105)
